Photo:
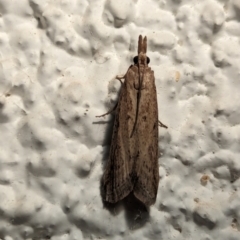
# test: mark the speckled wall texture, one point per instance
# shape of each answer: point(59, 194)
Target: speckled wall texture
point(58, 62)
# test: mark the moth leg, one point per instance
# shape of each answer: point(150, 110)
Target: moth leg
point(112, 110)
point(161, 124)
point(120, 78)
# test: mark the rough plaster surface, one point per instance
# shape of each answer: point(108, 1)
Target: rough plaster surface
point(58, 63)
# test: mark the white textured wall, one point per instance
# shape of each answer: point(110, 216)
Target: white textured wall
point(58, 63)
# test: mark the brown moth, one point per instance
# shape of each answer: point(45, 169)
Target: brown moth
point(133, 162)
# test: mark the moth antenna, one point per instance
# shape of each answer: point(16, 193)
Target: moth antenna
point(144, 48)
point(140, 44)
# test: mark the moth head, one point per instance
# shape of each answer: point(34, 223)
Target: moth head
point(135, 60)
point(142, 58)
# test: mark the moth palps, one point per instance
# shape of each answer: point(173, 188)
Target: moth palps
point(133, 162)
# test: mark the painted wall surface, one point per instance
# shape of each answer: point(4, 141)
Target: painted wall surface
point(58, 62)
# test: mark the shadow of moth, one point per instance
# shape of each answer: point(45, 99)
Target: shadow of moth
point(133, 162)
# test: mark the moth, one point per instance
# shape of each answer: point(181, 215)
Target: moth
point(132, 166)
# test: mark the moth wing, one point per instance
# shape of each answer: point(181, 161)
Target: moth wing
point(146, 167)
point(117, 178)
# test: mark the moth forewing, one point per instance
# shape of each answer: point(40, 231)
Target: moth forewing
point(145, 188)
